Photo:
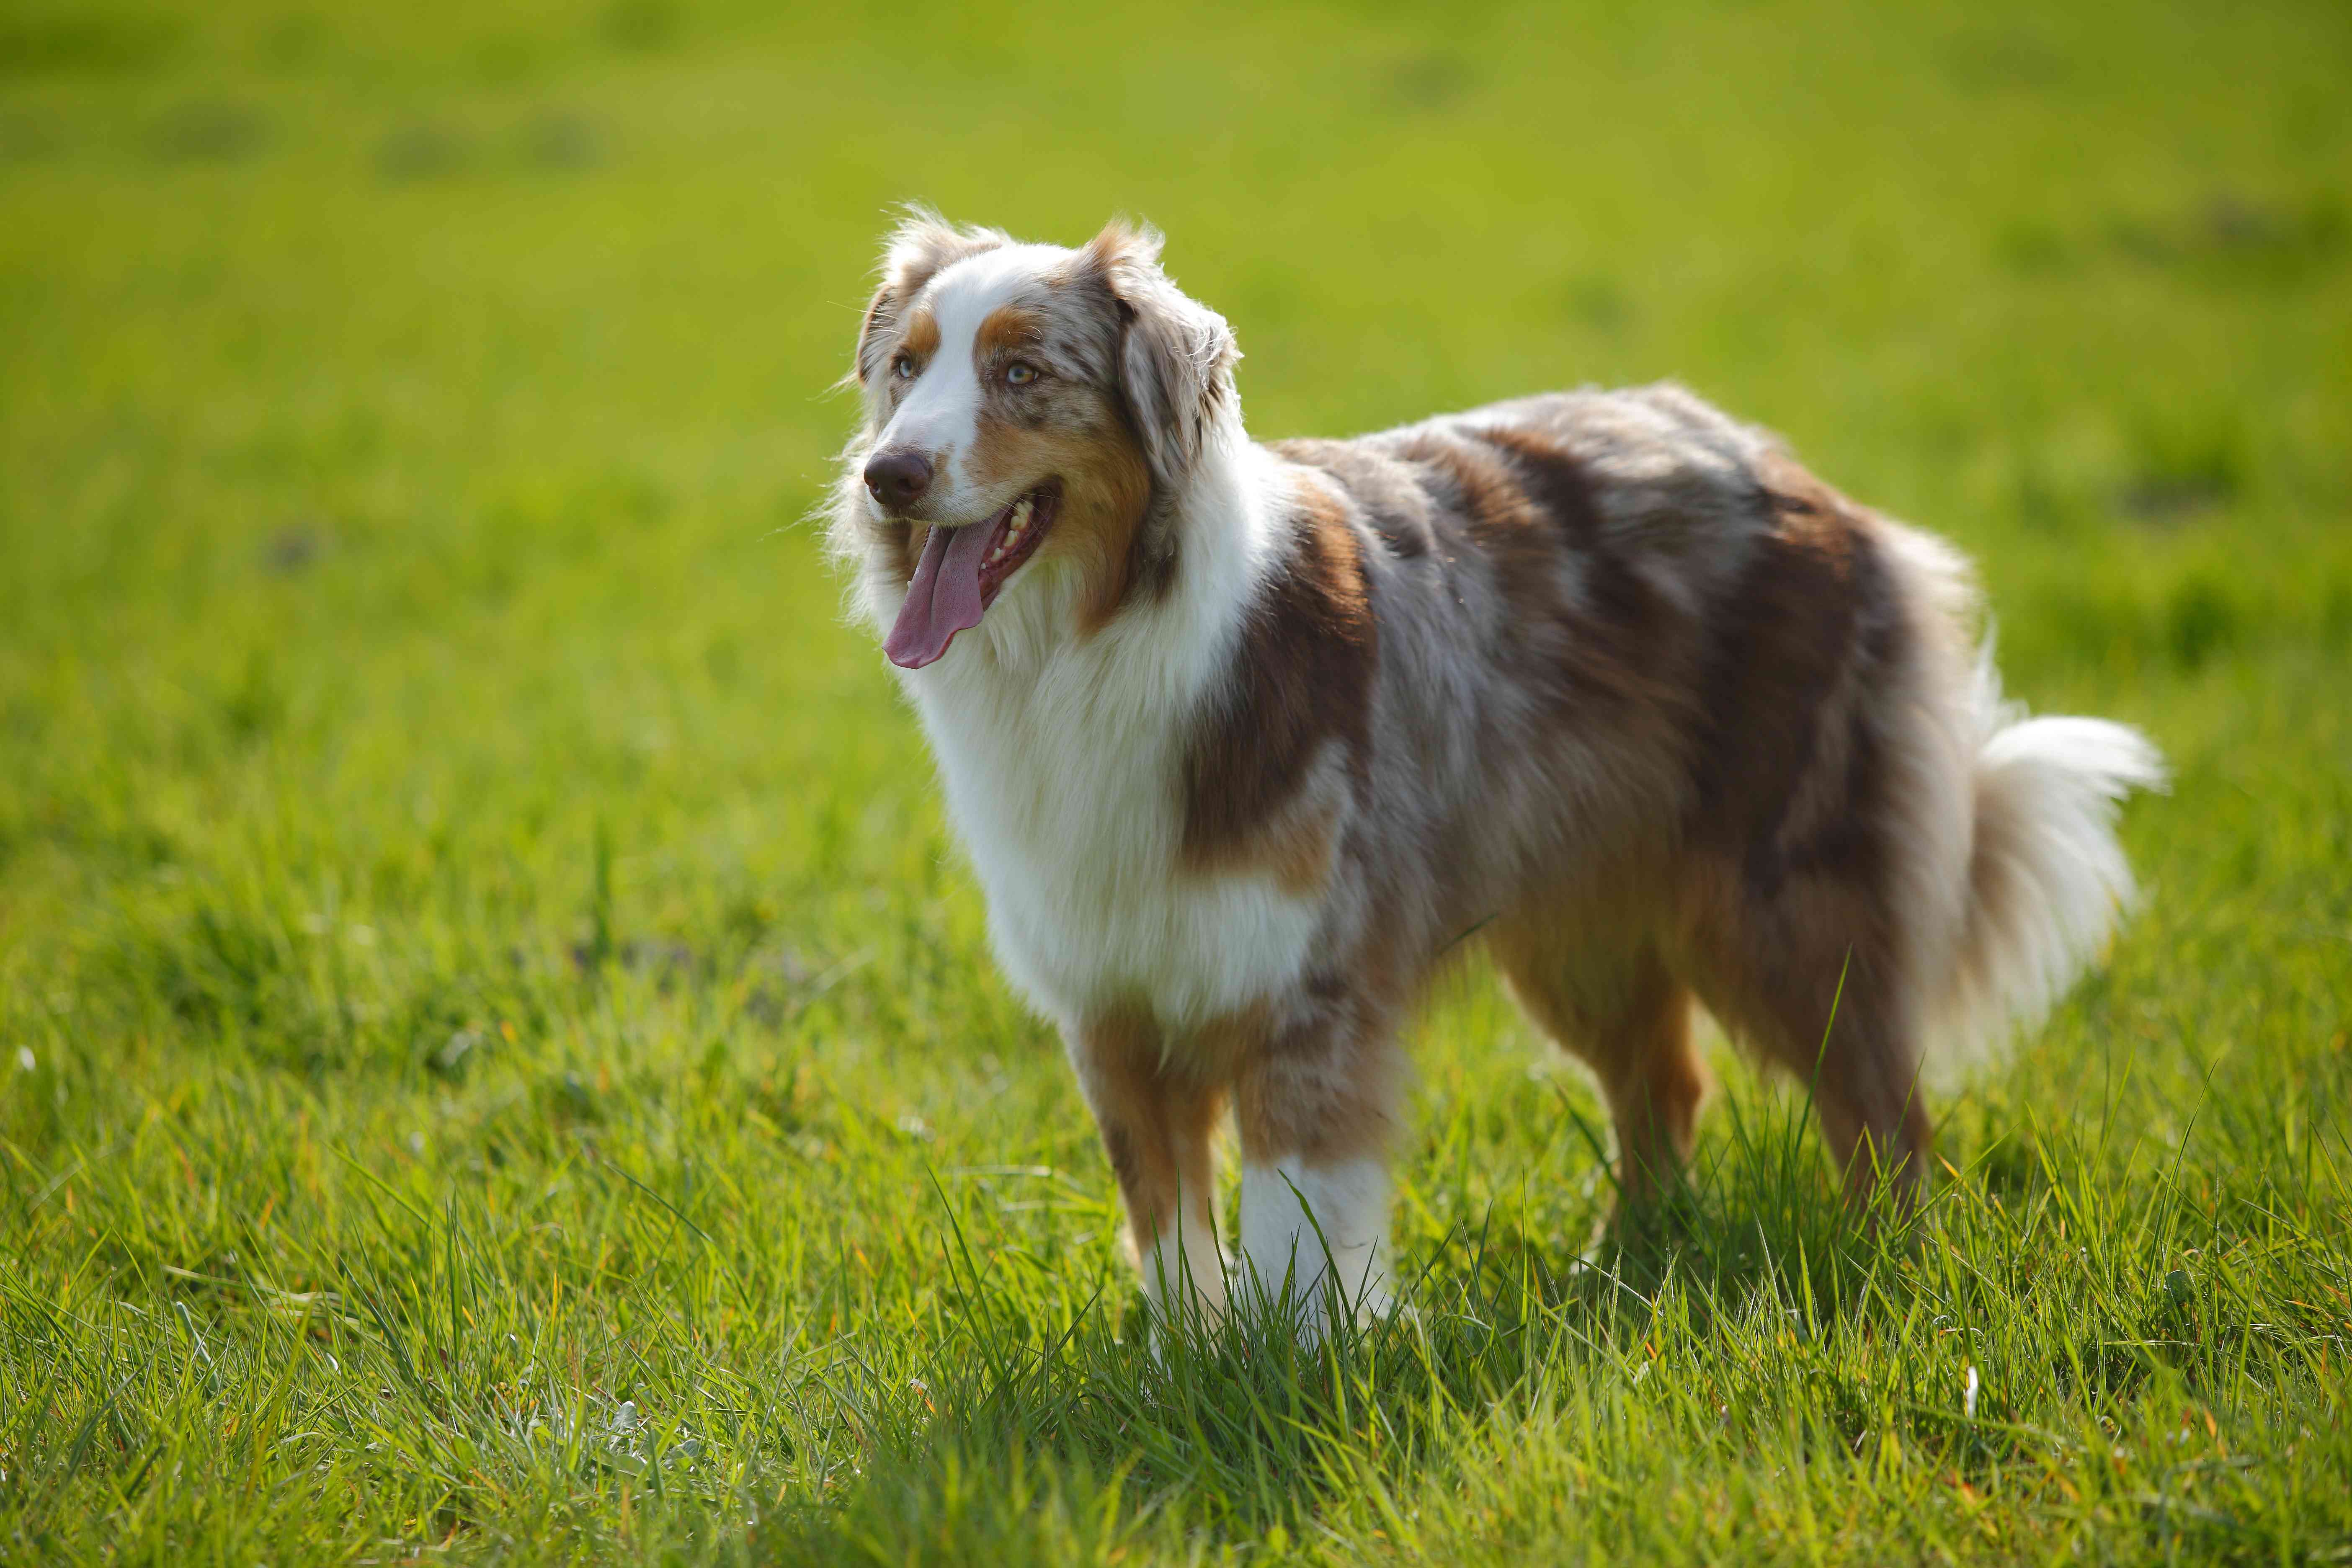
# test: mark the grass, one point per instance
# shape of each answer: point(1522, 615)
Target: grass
point(497, 1056)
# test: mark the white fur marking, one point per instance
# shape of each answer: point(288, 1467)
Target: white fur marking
point(1060, 756)
point(1348, 1204)
point(2046, 877)
point(1061, 759)
point(1186, 1255)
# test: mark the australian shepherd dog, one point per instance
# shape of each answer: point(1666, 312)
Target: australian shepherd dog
point(1244, 740)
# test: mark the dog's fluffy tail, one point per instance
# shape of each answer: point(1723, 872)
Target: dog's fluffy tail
point(2046, 879)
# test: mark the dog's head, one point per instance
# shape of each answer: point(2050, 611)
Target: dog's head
point(1031, 412)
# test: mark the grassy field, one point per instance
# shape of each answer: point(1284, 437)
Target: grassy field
point(498, 1054)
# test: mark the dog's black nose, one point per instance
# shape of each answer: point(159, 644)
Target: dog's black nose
point(899, 478)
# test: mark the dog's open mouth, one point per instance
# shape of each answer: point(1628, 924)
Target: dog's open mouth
point(962, 572)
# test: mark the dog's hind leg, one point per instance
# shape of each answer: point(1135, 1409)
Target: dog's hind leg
point(1629, 1021)
point(1864, 1071)
point(1817, 989)
point(1157, 1117)
point(1874, 1123)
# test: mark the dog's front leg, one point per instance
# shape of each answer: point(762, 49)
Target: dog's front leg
point(1157, 1117)
point(1318, 1113)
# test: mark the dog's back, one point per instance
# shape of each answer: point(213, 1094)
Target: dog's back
point(1677, 718)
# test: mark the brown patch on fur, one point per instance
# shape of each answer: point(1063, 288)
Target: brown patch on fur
point(1157, 1117)
point(1118, 244)
point(1301, 681)
point(922, 335)
point(1326, 1089)
point(902, 545)
point(1296, 853)
point(1789, 776)
point(1383, 490)
point(1009, 328)
point(1105, 485)
point(1621, 642)
point(1300, 857)
point(1215, 1050)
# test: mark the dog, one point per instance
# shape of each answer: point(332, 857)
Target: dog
point(1245, 740)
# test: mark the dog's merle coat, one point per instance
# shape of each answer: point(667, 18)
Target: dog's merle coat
point(1245, 740)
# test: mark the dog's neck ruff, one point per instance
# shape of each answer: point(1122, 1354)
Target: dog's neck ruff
point(1060, 755)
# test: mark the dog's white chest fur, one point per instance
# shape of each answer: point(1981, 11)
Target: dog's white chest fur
point(1062, 782)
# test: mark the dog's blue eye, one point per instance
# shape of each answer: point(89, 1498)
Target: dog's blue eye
point(1020, 373)
point(903, 366)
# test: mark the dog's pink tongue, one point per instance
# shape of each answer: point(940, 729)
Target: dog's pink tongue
point(942, 600)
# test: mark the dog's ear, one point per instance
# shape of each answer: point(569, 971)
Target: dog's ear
point(922, 245)
point(1175, 355)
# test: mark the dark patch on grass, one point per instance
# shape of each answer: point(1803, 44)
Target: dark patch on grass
point(563, 141)
point(2162, 499)
point(2034, 250)
point(2233, 237)
point(1596, 301)
point(292, 551)
point(255, 706)
point(208, 131)
point(62, 43)
point(212, 968)
point(2011, 1167)
point(567, 1099)
point(2110, 1367)
point(459, 1053)
point(2184, 467)
point(1428, 83)
point(2336, 614)
point(2042, 504)
point(2200, 619)
point(1987, 62)
point(423, 151)
point(291, 42)
point(643, 27)
point(295, 993)
point(77, 826)
point(722, 661)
